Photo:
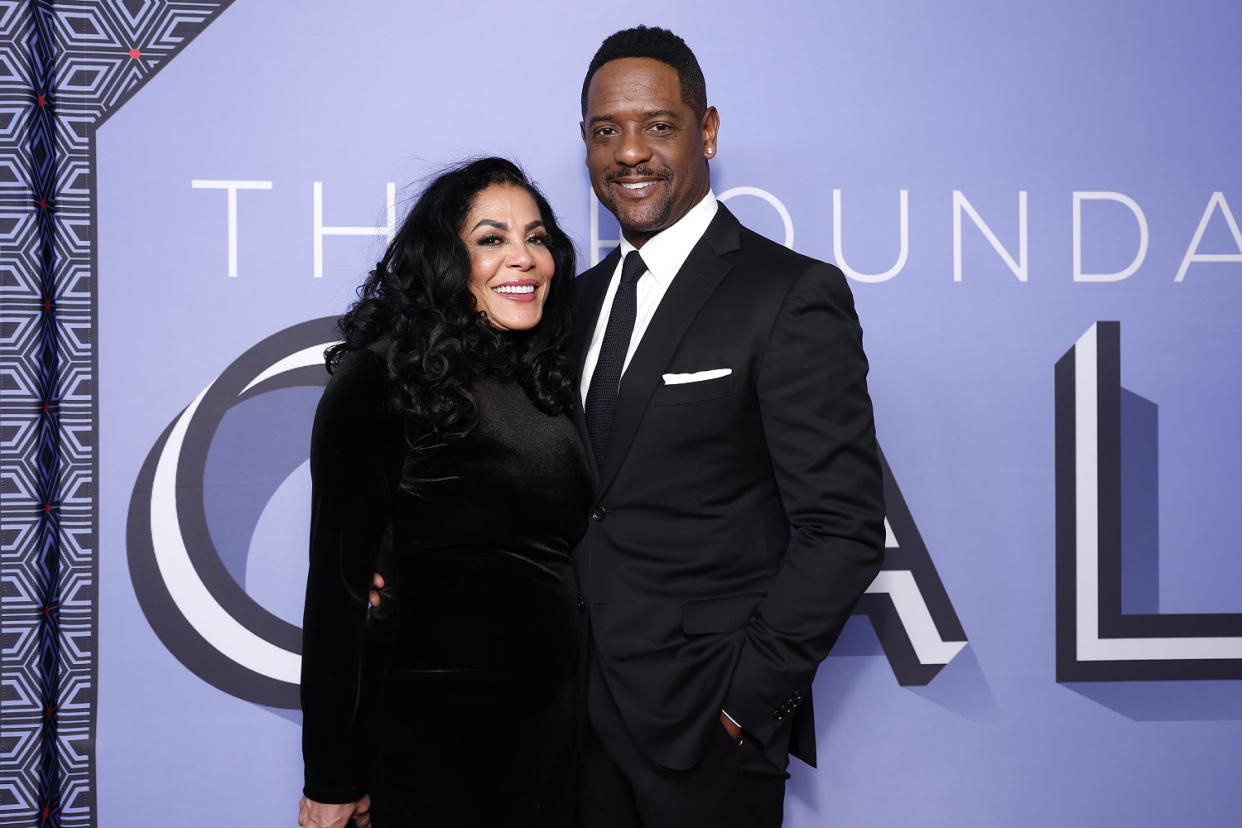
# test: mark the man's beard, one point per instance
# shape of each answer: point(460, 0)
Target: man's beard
point(648, 215)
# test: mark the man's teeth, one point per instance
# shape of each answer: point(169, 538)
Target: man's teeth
point(640, 185)
point(515, 289)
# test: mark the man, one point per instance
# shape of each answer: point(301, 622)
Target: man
point(725, 402)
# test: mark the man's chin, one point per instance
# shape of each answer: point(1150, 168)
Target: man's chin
point(640, 222)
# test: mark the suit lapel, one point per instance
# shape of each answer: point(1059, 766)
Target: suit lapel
point(703, 270)
point(589, 290)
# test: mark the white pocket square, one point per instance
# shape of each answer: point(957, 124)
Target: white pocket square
point(697, 376)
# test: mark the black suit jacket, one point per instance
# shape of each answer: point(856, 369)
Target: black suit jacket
point(701, 597)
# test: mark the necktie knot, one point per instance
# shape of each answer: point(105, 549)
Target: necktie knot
point(632, 268)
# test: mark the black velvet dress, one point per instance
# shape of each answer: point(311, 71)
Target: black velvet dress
point(457, 703)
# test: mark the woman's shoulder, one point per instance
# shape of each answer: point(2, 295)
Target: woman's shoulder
point(360, 366)
point(358, 387)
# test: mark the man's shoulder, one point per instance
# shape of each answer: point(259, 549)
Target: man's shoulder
point(772, 268)
point(604, 266)
point(596, 275)
point(776, 257)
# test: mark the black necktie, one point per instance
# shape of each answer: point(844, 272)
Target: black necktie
point(602, 393)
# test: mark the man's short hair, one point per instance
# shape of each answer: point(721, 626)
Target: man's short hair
point(658, 44)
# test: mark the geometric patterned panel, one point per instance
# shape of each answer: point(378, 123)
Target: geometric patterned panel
point(64, 68)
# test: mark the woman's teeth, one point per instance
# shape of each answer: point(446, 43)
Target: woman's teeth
point(515, 289)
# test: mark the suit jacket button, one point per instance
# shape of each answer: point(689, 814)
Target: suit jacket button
point(581, 605)
point(598, 512)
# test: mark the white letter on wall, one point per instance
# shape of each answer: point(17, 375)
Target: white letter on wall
point(232, 187)
point(321, 230)
point(902, 255)
point(1019, 267)
point(1217, 200)
point(1079, 197)
point(597, 243)
point(770, 199)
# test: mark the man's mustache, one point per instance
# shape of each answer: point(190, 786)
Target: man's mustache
point(633, 172)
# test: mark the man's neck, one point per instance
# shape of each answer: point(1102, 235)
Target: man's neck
point(637, 238)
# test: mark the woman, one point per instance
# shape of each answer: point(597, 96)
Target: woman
point(443, 446)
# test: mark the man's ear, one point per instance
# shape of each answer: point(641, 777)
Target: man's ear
point(710, 126)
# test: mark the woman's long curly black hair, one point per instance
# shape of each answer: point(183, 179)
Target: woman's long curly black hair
point(416, 311)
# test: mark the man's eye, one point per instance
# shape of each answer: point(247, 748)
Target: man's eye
point(661, 127)
point(605, 132)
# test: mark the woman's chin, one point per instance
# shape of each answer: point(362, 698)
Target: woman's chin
point(521, 321)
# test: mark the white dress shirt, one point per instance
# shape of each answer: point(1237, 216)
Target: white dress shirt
point(664, 254)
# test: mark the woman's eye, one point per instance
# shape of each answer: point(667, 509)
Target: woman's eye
point(539, 239)
point(490, 241)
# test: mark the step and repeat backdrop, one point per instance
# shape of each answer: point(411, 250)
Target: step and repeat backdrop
point(1037, 204)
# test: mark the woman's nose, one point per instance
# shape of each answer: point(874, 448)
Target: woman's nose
point(521, 258)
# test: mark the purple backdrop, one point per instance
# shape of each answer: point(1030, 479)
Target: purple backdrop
point(998, 178)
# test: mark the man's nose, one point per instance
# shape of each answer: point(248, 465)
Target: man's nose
point(632, 150)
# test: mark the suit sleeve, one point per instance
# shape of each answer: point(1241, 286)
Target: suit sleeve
point(817, 421)
point(349, 514)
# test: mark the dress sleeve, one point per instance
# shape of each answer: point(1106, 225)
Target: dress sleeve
point(350, 501)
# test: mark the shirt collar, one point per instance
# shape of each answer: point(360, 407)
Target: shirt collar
point(666, 251)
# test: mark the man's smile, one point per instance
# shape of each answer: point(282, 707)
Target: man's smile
point(635, 186)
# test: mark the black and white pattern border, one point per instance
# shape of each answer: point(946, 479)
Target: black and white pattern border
point(64, 68)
